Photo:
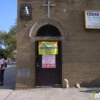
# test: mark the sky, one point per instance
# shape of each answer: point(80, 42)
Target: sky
point(8, 14)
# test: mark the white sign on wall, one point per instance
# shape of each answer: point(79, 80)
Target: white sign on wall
point(92, 19)
point(48, 61)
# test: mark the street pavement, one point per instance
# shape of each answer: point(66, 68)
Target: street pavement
point(8, 91)
point(9, 76)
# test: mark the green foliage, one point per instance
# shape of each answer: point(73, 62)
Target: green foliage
point(4, 52)
point(8, 41)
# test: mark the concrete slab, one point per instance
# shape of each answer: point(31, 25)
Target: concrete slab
point(4, 93)
point(53, 94)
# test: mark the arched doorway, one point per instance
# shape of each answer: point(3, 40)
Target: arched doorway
point(48, 65)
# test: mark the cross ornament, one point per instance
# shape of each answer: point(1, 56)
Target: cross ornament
point(49, 5)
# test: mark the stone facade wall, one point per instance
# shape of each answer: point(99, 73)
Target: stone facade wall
point(80, 50)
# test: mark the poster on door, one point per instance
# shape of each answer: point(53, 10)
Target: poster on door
point(48, 48)
point(48, 61)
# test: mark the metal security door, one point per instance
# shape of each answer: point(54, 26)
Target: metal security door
point(48, 76)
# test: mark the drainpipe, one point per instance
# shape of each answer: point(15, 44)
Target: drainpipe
point(67, 84)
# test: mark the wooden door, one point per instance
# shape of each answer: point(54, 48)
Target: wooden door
point(48, 76)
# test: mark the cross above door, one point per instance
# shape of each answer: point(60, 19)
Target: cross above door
point(49, 5)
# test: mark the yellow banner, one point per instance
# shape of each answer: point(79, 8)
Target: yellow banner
point(48, 47)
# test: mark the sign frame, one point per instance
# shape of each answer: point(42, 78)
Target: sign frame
point(86, 23)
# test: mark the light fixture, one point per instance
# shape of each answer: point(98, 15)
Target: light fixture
point(26, 11)
point(25, 25)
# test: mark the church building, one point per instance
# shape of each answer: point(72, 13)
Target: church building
point(58, 40)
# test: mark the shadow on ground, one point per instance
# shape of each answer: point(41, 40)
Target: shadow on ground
point(91, 90)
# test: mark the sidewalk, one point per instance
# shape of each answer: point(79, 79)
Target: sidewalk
point(9, 81)
point(48, 94)
point(7, 91)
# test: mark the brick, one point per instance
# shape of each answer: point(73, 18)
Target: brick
point(80, 47)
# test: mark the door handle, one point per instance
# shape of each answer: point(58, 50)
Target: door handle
point(37, 65)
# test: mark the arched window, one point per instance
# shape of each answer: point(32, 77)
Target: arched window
point(48, 30)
